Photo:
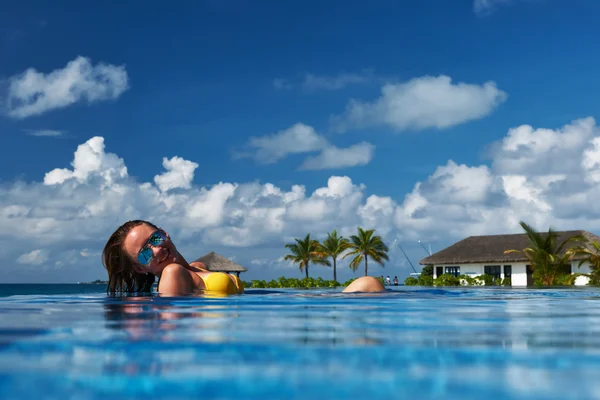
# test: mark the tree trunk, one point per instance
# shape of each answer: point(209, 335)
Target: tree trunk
point(366, 265)
point(306, 270)
point(334, 274)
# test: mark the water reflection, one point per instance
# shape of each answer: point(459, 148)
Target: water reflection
point(510, 324)
point(151, 318)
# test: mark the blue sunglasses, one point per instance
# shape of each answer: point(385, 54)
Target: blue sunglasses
point(156, 239)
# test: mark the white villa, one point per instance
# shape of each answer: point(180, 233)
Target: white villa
point(477, 255)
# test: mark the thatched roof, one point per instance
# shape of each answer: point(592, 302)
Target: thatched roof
point(490, 249)
point(217, 263)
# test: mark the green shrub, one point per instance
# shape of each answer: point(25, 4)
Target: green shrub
point(411, 281)
point(427, 270)
point(425, 280)
point(488, 280)
point(467, 280)
point(594, 279)
point(565, 279)
point(283, 282)
point(446, 280)
point(259, 283)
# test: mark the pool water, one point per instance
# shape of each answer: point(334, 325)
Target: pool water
point(412, 343)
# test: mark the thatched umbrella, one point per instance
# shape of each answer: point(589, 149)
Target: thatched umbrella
point(217, 263)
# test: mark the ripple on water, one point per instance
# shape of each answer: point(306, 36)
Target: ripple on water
point(442, 343)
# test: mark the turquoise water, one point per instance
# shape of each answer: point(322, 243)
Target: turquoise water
point(415, 343)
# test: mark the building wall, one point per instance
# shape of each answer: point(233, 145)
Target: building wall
point(519, 271)
point(518, 275)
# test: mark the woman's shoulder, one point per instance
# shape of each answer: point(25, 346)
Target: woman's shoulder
point(174, 268)
point(176, 279)
point(179, 272)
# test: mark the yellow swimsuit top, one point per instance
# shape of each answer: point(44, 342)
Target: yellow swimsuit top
point(221, 283)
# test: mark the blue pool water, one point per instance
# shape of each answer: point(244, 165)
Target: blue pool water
point(411, 343)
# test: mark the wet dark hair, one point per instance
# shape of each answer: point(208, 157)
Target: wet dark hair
point(121, 275)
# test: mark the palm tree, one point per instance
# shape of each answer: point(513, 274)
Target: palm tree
point(590, 256)
point(546, 256)
point(365, 245)
point(304, 252)
point(332, 247)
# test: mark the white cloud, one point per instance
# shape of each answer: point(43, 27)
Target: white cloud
point(520, 188)
point(179, 174)
point(591, 161)
point(89, 253)
point(338, 186)
point(334, 157)
point(426, 102)
point(253, 220)
point(301, 138)
point(377, 212)
point(90, 161)
point(537, 151)
point(33, 93)
point(460, 183)
point(298, 138)
point(208, 209)
point(45, 132)
point(544, 176)
point(35, 257)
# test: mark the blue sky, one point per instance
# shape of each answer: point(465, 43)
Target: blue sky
point(410, 117)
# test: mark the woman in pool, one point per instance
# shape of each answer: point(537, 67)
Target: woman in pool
point(138, 251)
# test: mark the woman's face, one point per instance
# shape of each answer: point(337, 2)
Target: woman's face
point(160, 255)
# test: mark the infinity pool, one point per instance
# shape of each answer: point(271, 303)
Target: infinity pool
point(411, 343)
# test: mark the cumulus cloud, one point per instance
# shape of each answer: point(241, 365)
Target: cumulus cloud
point(80, 207)
point(90, 161)
point(591, 161)
point(33, 93)
point(301, 138)
point(460, 183)
point(544, 176)
point(179, 174)
point(426, 102)
point(537, 151)
point(35, 257)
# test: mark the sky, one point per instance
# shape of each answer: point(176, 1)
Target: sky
point(238, 126)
